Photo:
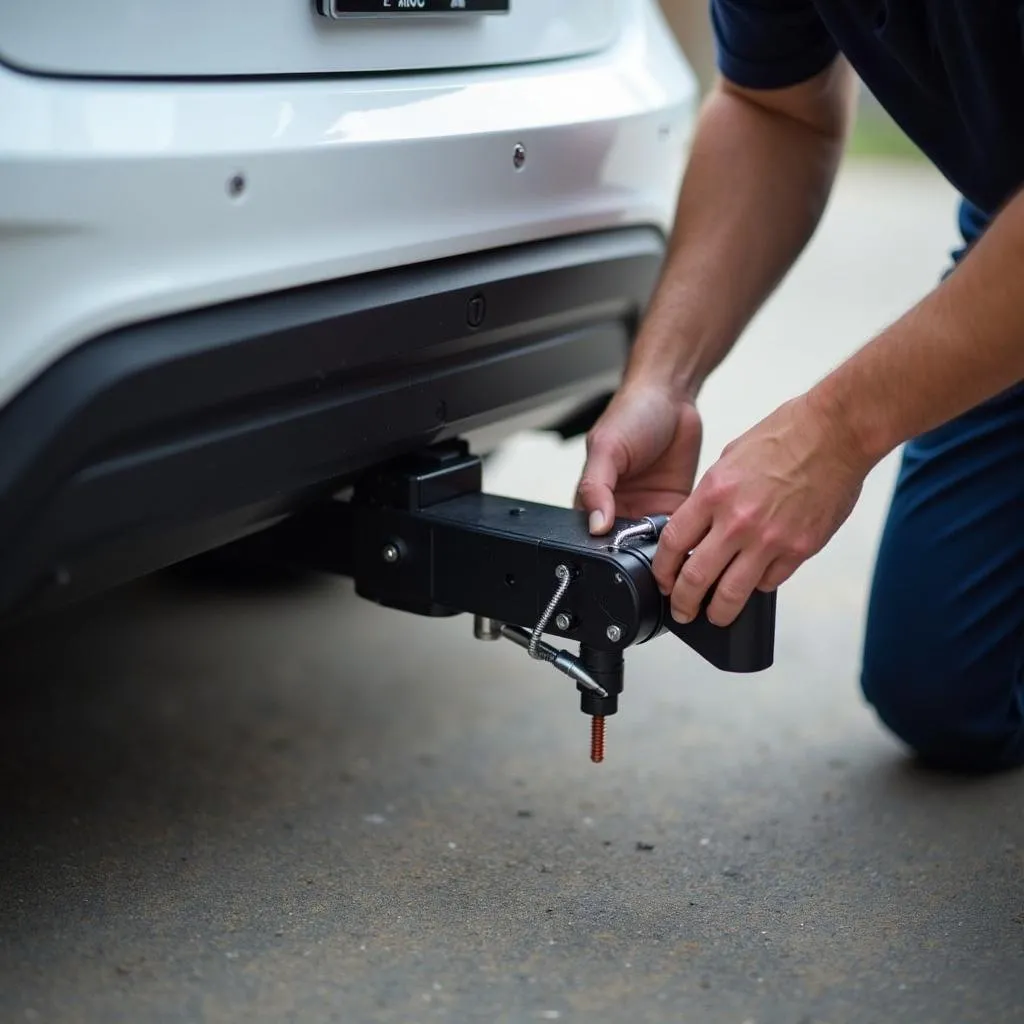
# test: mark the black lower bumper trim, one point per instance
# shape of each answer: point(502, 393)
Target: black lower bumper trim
point(163, 439)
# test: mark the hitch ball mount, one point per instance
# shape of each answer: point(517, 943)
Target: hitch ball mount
point(420, 536)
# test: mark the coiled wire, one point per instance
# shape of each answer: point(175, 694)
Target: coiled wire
point(564, 579)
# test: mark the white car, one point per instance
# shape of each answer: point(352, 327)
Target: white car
point(248, 250)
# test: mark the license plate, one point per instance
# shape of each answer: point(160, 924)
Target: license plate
point(409, 8)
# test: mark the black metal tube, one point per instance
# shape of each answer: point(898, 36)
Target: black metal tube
point(607, 668)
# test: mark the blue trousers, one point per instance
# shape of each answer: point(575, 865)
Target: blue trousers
point(943, 658)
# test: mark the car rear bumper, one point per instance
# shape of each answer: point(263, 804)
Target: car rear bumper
point(156, 441)
point(121, 202)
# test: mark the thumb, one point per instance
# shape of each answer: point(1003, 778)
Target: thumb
point(596, 491)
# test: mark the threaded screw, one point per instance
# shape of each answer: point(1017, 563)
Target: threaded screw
point(597, 739)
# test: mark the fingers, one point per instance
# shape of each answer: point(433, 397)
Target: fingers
point(778, 573)
point(596, 491)
point(736, 587)
point(684, 532)
point(719, 561)
point(699, 573)
point(702, 549)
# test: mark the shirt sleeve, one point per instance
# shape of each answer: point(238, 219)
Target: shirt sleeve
point(770, 44)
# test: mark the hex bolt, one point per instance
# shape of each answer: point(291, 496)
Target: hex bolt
point(614, 633)
point(391, 554)
point(563, 621)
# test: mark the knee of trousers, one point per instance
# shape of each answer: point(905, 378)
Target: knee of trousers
point(933, 704)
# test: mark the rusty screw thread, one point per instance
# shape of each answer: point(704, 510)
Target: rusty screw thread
point(597, 739)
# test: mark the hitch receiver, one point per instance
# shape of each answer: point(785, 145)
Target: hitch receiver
point(420, 536)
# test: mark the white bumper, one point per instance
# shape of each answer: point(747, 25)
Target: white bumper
point(115, 205)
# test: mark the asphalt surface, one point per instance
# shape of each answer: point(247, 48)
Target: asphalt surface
point(290, 806)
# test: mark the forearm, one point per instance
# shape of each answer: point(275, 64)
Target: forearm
point(756, 185)
point(962, 344)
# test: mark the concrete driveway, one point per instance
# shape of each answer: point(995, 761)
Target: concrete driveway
point(294, 807)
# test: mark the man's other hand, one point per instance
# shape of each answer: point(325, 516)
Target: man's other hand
point(774, 499)
point(642, 456)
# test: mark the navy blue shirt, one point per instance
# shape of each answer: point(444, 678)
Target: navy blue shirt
point(949, 72)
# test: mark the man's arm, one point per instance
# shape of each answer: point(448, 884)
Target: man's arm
point(759, 176)
point(757, 182)
point(779, 493)
point(962, 344)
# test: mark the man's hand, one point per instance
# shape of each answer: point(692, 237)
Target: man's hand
point(641, 456)
point(774, 499)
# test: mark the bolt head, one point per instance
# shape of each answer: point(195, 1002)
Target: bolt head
point(614, 633)
point(391, 554)
point(563, 621)
point(519, 156)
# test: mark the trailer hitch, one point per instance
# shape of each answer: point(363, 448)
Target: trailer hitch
point(419, 535)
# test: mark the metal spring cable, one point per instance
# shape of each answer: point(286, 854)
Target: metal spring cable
point(564, 579)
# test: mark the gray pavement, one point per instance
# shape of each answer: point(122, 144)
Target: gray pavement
point(293, 807)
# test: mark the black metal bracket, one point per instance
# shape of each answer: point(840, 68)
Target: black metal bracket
point(419, 535)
